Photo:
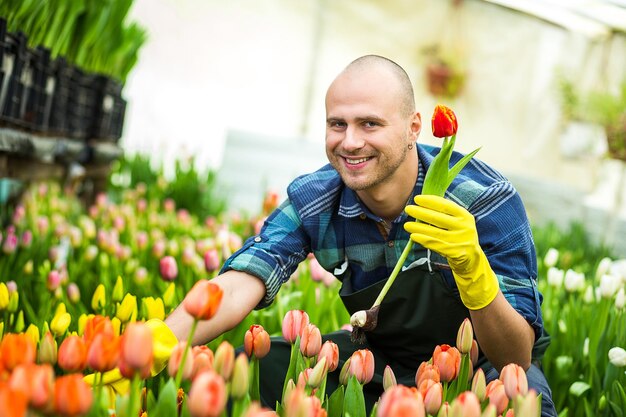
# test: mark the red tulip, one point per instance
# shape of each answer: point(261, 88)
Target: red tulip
point(104, 352)
point(72, 356)
point(444, 122)
point(72, 395)
point(203, 300)
point(293, 323)
point(401, 401)
point(448, 360)
point(207, 396)
point(256, 341)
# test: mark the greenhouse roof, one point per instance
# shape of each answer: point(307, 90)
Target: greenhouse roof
point(596, 19)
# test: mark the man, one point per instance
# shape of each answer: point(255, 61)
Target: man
point(474, 255)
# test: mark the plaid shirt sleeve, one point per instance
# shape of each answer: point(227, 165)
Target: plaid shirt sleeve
point(274, 254)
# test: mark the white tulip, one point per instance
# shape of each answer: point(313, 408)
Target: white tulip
point(551, 258)
point(609, 284)
point(588, 297)
point(574, 281)
point(555, 277)
point(620, 299)
point(603, 267)
point(617, 356)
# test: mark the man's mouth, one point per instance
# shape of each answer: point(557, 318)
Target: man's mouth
point(352, 161)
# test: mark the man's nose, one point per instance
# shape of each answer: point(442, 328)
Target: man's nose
point(353, 139)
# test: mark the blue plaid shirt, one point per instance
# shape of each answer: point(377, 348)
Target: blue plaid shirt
point(323, 216)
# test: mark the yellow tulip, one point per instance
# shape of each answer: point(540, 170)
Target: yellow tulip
point(117, 325)
point(127, 310)
point(82, 320)
point(60, 323)
point(118, 290)
point(98, 301)
point(33, 332)
point(153, 308)
point(60, 309)
point(4, 296)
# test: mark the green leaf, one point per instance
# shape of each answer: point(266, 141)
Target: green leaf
point(454, 171)
point(579, 388)
point(166, 404)
point(335, 402)
point(354, 401)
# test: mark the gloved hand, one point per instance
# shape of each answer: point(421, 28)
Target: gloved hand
point(448, 229)
point(163, 343)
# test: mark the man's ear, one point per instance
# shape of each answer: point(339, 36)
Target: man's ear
point(416, 125)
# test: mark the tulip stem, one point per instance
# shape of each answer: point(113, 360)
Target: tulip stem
point(394, 273)
point(179, 373)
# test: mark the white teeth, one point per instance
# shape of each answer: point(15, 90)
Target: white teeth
point(356, 161)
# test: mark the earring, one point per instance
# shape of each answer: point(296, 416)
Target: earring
point(410, 145)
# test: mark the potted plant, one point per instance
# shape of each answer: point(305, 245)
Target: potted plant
point(445, 76)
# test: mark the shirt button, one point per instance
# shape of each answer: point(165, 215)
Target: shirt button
point(362, 216)
point(390, 243)
point(257, 239)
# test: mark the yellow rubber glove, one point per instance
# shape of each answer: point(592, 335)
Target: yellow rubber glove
point(448, 229)
point(163, 343)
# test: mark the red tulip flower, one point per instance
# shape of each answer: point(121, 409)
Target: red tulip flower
point(444, 122)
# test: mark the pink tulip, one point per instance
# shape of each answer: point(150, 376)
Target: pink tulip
point(207, 395)
point(202, 359)
point(432, 392)
point(448, 360)
point(514, 379)
point(465, 336)
point(27, 239)
point(474, 352)
point(465, 405)
point(497, 396)
point(293, 323)
point(401, 401)
point(211, 260)
point(256, 341)
point(168, 268)
point(311, 340)
point(362, 365)
point(330, 351)
point(175, 361)
point(54, 280)
point(136, 350)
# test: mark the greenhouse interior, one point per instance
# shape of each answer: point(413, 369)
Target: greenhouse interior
point(355, 208)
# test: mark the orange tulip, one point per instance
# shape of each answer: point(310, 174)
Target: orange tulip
point(465, 405)
point(432, 393)
point(72, 356)
point(255, 410)
point(311, 340)
point(401, 401)
point(207, 396)
point(448, 360)
point(104, 352)
point(330, 351)
point(256, 341)
point(72, 395)
point(95, 325)
point(497, 396)
point(175, 361)
point(224, 360)
point(202, 359)
point(13, 403)
point(136, 350)
point(444, 122)
point(203, 300)
point(16, 349)
point(362, 365)
point(427, 371)
point(36, 382)
point(514, 379)
point(293, 323)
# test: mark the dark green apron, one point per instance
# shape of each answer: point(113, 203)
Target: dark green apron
point(418, 313)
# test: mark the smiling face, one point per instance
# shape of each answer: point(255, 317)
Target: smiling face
point(369, 127)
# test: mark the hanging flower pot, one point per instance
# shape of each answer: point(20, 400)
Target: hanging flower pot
point(443, 80)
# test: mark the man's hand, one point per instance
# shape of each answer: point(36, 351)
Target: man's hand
point(448, 229)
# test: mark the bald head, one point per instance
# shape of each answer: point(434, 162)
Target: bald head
point(376, 63)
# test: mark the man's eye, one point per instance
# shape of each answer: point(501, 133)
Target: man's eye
point(370, 124)
point(337, 124)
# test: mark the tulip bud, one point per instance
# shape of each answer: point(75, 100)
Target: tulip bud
point(136, 350)
point(127, 311)
point(202, 359)
point(489, 411)
point(19, 322)
point(14, 299)
point(28, 267)
point(479, 384)
point(118, 290)
point(344, 374)
point(389, 378)
point(116, 326)
point(4, 296)
point(169, 296)
point(47, 349)
point(617, 356)
point(203, 300)
point(433, 397)
point(465, 336)
point(318, 374)
point(54, 280)
point(465, 405)
point(211, 260)
point(448, 360)
point(362, 365)
point(240, 382)
point(98, 301)
point(551, 258)
point(311, 340)
point(73, 292)
point(444, 122)
point(72, 356)
point(224, 360)
point(208, 392)
point(527, 405)
point(293, 323)
point(514, 379)
point(330, 351)
point(176, 358)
